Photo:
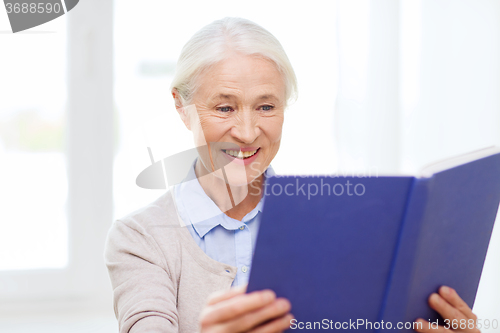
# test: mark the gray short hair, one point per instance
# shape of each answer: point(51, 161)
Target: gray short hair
point(210, 44)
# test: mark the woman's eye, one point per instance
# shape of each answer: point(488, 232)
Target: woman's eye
point(224, 109)
point(267, 107)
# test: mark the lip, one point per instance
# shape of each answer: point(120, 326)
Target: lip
point(245, 161)
point(249, 148)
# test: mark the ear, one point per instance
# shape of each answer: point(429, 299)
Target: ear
point(179, 105)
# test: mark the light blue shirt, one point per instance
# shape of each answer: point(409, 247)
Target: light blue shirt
point(221, 237)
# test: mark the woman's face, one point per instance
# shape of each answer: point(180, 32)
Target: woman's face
point(238, 114)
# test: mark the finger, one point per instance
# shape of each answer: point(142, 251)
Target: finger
point(279, 308)
point(222, 295)
point(423, 326)
point(451, 296)
point(445, 309)
point(236, 306)
point(277, 325)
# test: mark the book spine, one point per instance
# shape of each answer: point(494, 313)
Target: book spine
point(393, 309)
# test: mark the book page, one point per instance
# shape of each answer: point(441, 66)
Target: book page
point(451, 162)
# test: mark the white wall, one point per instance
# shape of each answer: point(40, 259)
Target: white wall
point(420, 83)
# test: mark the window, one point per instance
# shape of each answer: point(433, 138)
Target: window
point(32, 167)
point(56, 163)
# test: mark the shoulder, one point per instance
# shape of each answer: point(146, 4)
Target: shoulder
point(161, 213)
point(151, 231)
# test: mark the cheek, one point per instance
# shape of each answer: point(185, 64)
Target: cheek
point(212, 128)
point(273, 130)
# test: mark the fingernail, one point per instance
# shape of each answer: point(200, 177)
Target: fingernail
point(446, 290)
point(283, 304)
point(268, 296)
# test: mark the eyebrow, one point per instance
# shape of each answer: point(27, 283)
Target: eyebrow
point(230, 96)
point(268, 96)
point(225, 96)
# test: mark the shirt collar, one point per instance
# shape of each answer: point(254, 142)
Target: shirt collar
point(200, 211)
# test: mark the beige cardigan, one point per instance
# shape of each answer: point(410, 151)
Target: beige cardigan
point(160, 277)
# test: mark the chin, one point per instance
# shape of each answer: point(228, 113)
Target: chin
point(239, 175)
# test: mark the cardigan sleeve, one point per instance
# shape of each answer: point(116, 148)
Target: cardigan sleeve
point(144, 293)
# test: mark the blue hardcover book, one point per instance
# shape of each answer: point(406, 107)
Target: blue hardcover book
point(351, 253)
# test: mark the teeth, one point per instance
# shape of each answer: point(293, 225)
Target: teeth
point(240, 154)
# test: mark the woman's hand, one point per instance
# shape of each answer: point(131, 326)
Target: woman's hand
point(235, 311)
point(457, 314)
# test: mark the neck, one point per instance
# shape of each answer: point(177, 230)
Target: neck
point(244, 197)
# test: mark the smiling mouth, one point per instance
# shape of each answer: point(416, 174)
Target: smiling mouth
point(240, 154)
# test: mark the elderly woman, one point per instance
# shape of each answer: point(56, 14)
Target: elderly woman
point(181, 263)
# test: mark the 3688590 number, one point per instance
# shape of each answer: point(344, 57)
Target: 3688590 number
point(470, 324)
point(33, 8)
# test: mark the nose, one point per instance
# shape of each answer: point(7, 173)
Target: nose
point(246, 129)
